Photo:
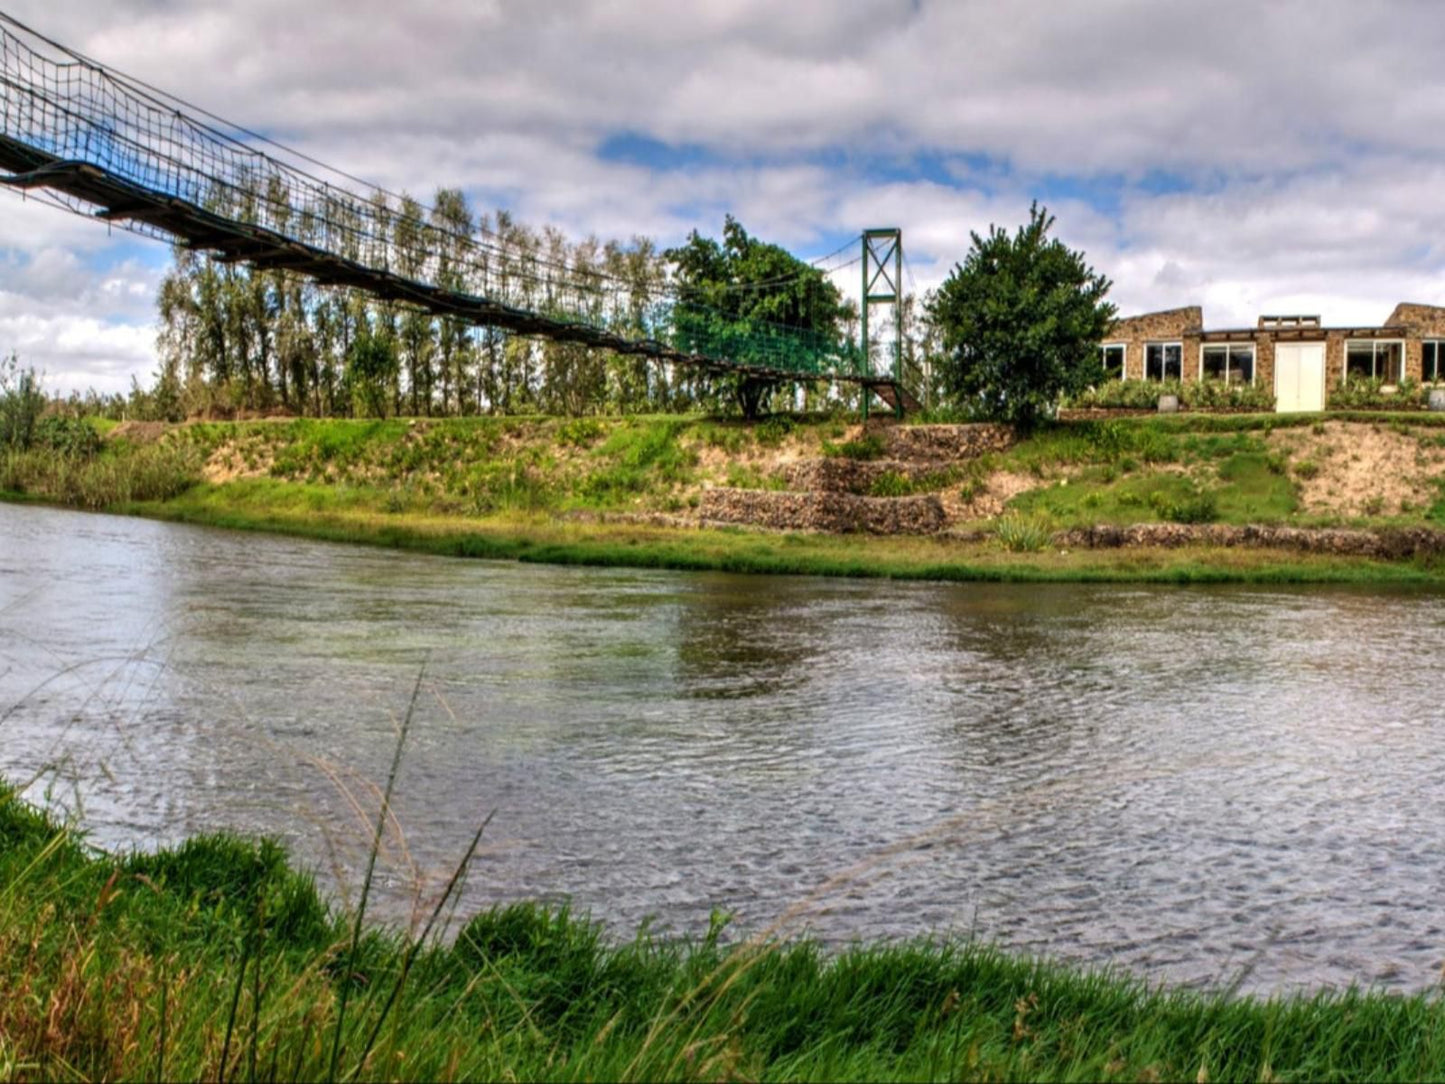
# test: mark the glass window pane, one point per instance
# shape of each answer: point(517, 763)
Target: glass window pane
point(1359, 360)
point(1241, 365)
point(1390, 362)
point(1427, 361)
point(1173, 361)
point(1215, 360)
point(1153, 362)
point(1114, 362)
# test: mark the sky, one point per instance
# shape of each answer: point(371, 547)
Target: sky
point(1247, 157)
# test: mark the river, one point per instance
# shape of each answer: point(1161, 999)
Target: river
point(1226, 786)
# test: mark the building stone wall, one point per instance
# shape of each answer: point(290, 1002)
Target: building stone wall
point(1264, 360)
point(1421, 322)
point(1185, 325)
point(1334, 360)
point(1170, 325)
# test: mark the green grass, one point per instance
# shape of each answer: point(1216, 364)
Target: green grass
point(1227, 478)
point(217, 960)
point(114, 476)
point(341, 515)
point(535, 488)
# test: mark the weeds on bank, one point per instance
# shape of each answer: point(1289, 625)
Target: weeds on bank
point(155, 472)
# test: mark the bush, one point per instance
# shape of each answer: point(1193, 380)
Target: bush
point(1359, 393)
point(1024, 534)
point(1125, 395)
point(579, 432)
point(1200, 506)
point(66, 435)
point(1193, 394)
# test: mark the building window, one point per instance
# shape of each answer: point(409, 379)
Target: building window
point(1374, 359)
point(1113, 356)
point(1432, 360)
point(1163, 361)
point(1233, 364)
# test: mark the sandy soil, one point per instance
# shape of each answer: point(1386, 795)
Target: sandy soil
point(1352, 469)
point(227, 463)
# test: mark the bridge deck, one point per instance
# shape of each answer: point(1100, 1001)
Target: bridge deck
point(100, 143)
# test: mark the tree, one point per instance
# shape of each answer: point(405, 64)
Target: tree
point(371, 367)
point(752, 302)
point(1020, 322)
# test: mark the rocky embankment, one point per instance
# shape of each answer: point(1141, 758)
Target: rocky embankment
point(831, 493)
point(1392, 543)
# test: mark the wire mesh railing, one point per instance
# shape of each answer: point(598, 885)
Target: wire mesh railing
point(207, 182)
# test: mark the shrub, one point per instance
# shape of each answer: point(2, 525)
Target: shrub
point(1213, 394)
point(579, 432)
point(1359, 393)
point(1306, 469)
point(1200, 506)
point(1024, 534)
point(1193, 394)
point(66, 435)
point(1124, 395)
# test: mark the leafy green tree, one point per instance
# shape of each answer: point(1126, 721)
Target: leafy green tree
point(733, 297)
point(1019, 323)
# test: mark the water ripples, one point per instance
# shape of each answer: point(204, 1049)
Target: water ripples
point(1223, 786)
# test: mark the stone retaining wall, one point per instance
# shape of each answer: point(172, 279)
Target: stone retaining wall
point(946, 442)
point(828, 512)
point(1389, 544)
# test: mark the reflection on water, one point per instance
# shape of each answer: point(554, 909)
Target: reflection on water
point(1203, 785)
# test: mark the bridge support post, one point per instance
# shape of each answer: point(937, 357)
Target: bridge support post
point(751, 391)
point(883, 285)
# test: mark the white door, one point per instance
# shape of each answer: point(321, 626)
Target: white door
point(1299, 376)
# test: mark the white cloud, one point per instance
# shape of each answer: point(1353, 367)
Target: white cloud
point(1302, 143)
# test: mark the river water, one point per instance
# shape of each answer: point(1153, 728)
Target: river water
point(1226, 786)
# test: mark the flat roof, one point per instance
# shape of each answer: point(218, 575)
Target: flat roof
point(1243, 334)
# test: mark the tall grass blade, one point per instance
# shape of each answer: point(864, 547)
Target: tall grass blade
point(418, 942)
point(161, 1046)
point(371, 869)
point(235, 1004)
point(256, 990)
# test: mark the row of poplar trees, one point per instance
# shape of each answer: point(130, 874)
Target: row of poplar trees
point(235, 339)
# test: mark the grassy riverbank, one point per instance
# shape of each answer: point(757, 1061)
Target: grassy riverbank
point(627, 491)
point(216, 960)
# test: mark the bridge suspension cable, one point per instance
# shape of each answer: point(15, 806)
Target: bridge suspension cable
point(103, 144)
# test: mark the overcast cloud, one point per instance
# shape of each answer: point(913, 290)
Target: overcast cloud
point(1284, 157)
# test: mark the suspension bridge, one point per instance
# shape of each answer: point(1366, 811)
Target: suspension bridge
point(106, 145)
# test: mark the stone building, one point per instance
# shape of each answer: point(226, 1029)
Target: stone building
point(1299, 358)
